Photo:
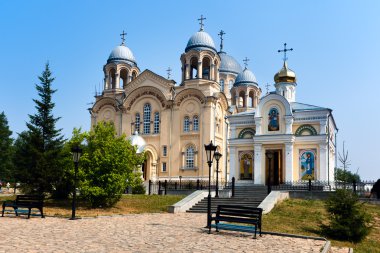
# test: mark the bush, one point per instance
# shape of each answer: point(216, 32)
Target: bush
point(348, 219)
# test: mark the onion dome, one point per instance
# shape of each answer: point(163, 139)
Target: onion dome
point(138, 141)
point(285, 75)
point(122, 54)
point(200, 41)
point(229, 64)
point(245, 78)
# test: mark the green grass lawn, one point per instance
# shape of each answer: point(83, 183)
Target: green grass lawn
point(303, 217)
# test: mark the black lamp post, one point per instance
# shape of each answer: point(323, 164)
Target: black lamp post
point(217, 156)
point(180, 182)
point(269, 156)
point(77, 151)
point(210, 149)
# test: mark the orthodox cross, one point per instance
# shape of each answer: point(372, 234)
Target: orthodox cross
point(201, 22)
point(267, 87)
point(221, 33)
point(123, 37)
point(169, 70)
point(285, 50)
point(246, 60)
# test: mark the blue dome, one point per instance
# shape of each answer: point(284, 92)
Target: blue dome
point(122, 53)
point(200, 41)
point(229, 64)
point(245, 78)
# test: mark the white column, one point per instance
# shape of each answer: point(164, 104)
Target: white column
point(187, 71)
point(288, 124)
point(323, 124)
point(211, 75)
point(322, 162)
point(117, 83)
point(106, 82)
point(233, 132)
point(258, 125)
point(233, 159)
point(258, 170)
point(199, 70)
point(154, 171)
point(289, 161)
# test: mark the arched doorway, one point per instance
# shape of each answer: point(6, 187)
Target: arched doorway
point(146, 166)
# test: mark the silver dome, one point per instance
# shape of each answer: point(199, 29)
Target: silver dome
point(200, 41)
point(245, 78)
point(122, 53)
point(138, 141)
point(229, 64)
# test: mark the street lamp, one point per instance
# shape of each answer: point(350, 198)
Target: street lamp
point(210, 150)
point(77, 151)
point(217, 156)
point(269, 155)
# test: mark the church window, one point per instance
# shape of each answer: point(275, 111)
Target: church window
point(206, 68)
point(273, 120)
point(163, 167)
point(241, 99)
point(147, 110)
point(230, 84)
point(251, 99)
point(156, 122)
point(190, 157)
point(137, 122)
point(195, 123)
point(164, 150)
point(134, 75)
point(193, 68)
point(186, 124)
point(123, 78)
point(113, 78)
point(221, 85)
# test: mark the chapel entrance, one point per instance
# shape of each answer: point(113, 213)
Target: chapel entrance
point(146, 167)
point(273, 167)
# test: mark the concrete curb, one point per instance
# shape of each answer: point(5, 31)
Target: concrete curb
point(272, 199)
point(186, 203)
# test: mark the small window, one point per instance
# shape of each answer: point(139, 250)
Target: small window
point(137, 123)
point(156, 123)
point(190, 157)
point(164, 150)
point(163, 167)
point(230, 84)
point(222, 85)
point(195, 123)
point(186, 124)
point(147, 110)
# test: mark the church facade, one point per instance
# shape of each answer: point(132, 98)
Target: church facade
point(270, 138)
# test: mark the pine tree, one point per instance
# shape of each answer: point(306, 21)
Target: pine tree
point(38, 150)
point(6, 149)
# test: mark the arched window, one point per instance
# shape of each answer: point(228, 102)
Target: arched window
point(134, 75)
point(273, 120)
point(221, 85)
point(190, 157)
point(156, 123)
point(195, 123)
point(137, 122)
point(147, 110)
point(242, 99)
point(123, 78)
point(251, 99)
point(193, 68)
point(113, 78)
point(230, 84)
point(206, 68)
point(186, 124)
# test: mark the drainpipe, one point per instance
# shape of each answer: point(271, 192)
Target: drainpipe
point(225, 156)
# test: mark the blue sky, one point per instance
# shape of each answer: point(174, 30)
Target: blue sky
point(336, 54)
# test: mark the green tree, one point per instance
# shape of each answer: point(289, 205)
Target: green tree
point(38, 150)
point(108, 164)
point(346, 176)
point(6, 149)
point(348, 219)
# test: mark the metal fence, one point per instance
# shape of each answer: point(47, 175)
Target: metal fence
point(362, 188)
point(178, 186)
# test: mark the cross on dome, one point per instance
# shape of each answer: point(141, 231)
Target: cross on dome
point(169, 70)
point(285, 50)
point(201, 22)
point(267, 87)
point(123, 37)
point(221, 33)
point(246, 60)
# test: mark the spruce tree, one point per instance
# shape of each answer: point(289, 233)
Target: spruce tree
point(38, 150)
point(6, 143)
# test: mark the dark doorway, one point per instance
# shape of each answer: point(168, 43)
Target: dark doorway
point(273, 167)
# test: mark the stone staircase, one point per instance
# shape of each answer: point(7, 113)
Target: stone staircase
point(246, 195)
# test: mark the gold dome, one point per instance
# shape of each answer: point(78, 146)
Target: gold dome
point(285, 75)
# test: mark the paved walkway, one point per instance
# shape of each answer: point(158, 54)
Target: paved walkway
point(137, 233)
